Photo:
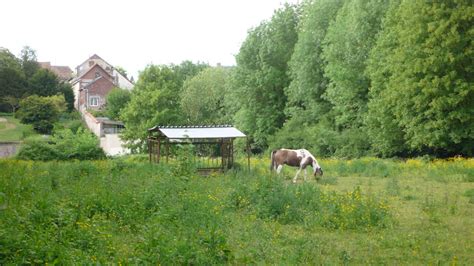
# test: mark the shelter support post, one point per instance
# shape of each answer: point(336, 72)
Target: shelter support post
point(248, 153)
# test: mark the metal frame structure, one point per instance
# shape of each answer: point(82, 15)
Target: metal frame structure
point(214, 145)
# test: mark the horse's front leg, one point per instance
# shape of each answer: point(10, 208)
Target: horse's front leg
point(296, 176)
point(305, 174)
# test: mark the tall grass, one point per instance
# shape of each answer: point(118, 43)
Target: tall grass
point(129, 211)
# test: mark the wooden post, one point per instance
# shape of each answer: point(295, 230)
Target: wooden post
point(158, 153)
point(248, 153)
point(149, 148)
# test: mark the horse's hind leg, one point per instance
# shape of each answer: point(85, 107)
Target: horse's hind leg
point(296, 176)
point(278, 169)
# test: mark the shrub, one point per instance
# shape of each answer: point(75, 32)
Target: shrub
point(63, 145)
point(41, 112)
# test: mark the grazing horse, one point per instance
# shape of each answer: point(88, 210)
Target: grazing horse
point(297, 158)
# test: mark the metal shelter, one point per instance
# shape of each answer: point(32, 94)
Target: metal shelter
point(213, 145)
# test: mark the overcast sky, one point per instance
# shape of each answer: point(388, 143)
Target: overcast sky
point(132, 33)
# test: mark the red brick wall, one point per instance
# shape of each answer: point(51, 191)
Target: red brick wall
point(99, 88)
point(91, 73)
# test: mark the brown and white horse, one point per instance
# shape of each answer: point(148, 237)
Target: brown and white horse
point(297, 158)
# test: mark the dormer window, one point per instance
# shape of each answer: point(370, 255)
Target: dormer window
point(91, 63)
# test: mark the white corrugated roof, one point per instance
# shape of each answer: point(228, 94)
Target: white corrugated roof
point(200, 132)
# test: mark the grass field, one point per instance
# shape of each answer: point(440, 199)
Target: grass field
point(12, 130)
point(365, 211)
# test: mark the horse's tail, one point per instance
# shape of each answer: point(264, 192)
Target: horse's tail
point(272, 157)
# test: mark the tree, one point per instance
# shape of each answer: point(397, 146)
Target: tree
point(261, 76)
point(116, 100)
point(29, 63)
point(12, 101)
point(44, 83)
point(12, 81)
point(347, 45)
point(65, 89)
point(41, 112)
point(202, 98)
point(306, 66)
point(155, 100)
point(426, 88)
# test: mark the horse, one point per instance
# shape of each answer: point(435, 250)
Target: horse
point(297, 158)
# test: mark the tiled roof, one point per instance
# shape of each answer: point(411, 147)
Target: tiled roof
point(63, 72)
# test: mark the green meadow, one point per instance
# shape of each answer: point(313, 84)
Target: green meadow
point(12, 130)
point(123, 211)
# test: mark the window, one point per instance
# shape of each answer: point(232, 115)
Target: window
point(94, 101)
point(97, 74)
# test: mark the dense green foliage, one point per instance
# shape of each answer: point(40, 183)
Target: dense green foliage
point(345, 78)
point(41, 112)
point(116, 100)
point(22, 77)
point(366, 211)
point(422, 98)
point(155, 99)
point(261, 76)
point(63, 145)
point(203, 97)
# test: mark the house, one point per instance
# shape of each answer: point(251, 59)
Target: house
point(94, 80)
point(64, 73)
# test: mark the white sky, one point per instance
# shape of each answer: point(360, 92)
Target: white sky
point(132, 33)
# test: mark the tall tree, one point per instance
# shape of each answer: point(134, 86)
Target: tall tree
point(116, 100)
point(428, 85)
point(44, 83)
point(12, 81)
point(29, 62)
point(203, 97)
point(308, 82)
point(261, 75)
point(155, 100)
point(347, 45)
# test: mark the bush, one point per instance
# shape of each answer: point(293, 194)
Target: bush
point(41, 112)
point(63, 145)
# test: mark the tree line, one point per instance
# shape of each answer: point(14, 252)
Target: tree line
point(34, 94)
point(344, 78)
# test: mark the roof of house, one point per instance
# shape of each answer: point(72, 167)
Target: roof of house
point(199, 132)
point(95, 56)
point(77, 79)
point(63, 72)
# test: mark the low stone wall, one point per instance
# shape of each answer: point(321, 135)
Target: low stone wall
point(9, 149)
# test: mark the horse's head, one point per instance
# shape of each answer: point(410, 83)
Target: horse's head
point(319, 171)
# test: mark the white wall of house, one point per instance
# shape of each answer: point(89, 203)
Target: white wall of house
point(113, 145)
point(123, 82)
point(75, 89)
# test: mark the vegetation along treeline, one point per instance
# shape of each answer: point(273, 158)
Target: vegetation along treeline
point(34, 94)
point(342, 78)
point(346, 78)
